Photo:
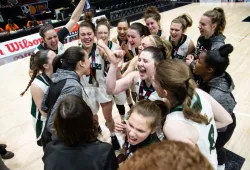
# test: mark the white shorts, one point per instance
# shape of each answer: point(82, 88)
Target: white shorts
point(120, 99)
point(90, 99)
point(102, 96)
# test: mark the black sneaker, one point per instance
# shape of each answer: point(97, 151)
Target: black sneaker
point(8, 155)
point(115, 143)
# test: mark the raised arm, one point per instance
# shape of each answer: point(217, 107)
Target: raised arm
point(75, 16)
point(113, 86)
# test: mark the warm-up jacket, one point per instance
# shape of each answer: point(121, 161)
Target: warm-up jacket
point(88, 156)
point(72, 87)
point(220, 88)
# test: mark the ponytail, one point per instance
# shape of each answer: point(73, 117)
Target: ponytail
point(185, 20)
point(35, 72)
point(57, 62)
point(36, 65)
point(221, 21)
point(164, 45)
point(217, 16)
point(192, 111)
point(178, 83)
point(69, 59)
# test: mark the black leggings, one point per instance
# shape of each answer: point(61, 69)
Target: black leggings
point(223, 138)
point(121, 109)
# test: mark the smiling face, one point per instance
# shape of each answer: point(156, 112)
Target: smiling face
point(102, 32)
point(176, 32)
point(152, 25)
point(200, 66)
point(145, 42)
point(138, 128)
point(206, 27)
point(122, 30)
point(51, 39)
point(87, 37)
point(146, 65)
point(134, 38)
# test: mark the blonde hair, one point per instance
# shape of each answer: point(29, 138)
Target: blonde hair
point(185, 20)
point(162, 44)
point(217, 16)
point(174, 76)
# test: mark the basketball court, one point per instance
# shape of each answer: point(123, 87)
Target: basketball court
point(16, 129)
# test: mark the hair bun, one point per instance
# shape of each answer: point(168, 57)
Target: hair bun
point(152, 9)
point(101, 20)
point(162, 50)
point(88, 16)
point(225, 50)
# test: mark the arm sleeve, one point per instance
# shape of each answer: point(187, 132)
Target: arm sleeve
point(62, 34)
point(112, 163)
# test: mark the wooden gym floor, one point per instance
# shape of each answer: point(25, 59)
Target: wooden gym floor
point(16, 128)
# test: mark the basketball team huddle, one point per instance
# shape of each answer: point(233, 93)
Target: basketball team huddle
point(179, 95)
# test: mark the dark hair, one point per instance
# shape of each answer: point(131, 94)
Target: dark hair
point(157, 110)
point(102, 21)
point(219, 59)
point(87, 22)
point(152, 12)
point(43, 29)
point(10, 21)
point(74, 122)
point(171, 155)
point(174, 76)
point(36, 64)
point(185, 20)
point(140, 28)
point(69, 59)
point(217, 16)
point(158, 53)
point(124, 20)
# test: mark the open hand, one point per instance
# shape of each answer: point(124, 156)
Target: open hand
point(120, 127)
point(189, 59)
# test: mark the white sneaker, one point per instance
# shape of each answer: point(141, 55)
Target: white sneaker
point(221, 167)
